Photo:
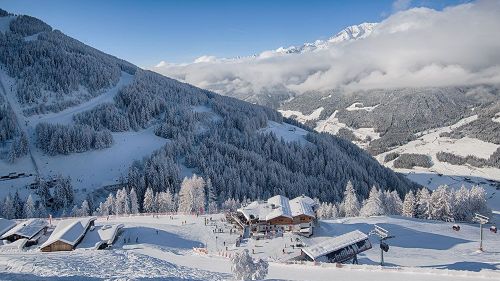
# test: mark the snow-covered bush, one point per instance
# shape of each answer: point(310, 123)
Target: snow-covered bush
point(245, 268)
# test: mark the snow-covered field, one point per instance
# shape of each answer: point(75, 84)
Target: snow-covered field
point(286, 132)
point(421, 250)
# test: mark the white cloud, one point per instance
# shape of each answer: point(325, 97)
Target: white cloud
point(412, 48)
point(400, 5)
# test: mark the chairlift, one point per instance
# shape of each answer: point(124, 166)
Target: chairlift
point(493, 229)
point(384, 246)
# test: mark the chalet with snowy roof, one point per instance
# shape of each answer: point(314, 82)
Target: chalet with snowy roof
point(30, 230)
point(6, 225)
point(280, 213)
point(67, 234)
point(338, 249)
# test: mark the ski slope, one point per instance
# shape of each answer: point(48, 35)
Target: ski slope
point(422, 250)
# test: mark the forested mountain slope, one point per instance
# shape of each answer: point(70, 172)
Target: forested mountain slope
point(77, 108)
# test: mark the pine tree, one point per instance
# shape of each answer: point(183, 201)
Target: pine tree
point(410, 205)
point(18, 206)
point(192, 195)
point(373, 205)
point(85, 209)
point(9, 211)
point(478, 201)
point(462, 205)
point(148, 206)
point(108, 206)
point(424, 207)
point(211, 197)
point(134, 205)
point(43, 192)
point(75, 212)
point(442, 203)
point(29, 208)
point(350, 202)
point(41, 211)
point(392, 203)
point(165, 201)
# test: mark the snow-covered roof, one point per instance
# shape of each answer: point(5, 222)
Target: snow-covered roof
point(255, 210)
point(280, 206)
point(69, 231)
point(306, 199)
point(300, 206)
point(333, 244)
point(101, 234)
point(27, 229)
point(6, 225)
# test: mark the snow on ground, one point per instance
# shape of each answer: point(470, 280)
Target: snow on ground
point(299, 116)
point(95, 168)
point(422, 250)
point(360, 106)
point(330, 125)
point(286, 131)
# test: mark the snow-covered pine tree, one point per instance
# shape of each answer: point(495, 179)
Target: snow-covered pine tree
point(462, 205)
point(43, 192)
point(85, 208)
point(75, 212)
point(392, 203)
point(478, 201)
point(108, 207)
point(350, 202)
point(134, 203)
point(119, 202)
point(18, 205)
point(148, 206)
point(9, 211)
point(335, 211)
point(442, 203)
point(30, 208)
point(41, 211)
point(373, 206)
point(230, 205)
point(424, 207)
point(164, 201)
point(211, 197)
point(409, 205)
point(192, 195)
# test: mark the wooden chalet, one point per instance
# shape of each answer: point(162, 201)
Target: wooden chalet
point(67, 234)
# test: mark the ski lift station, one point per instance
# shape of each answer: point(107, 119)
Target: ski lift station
point(337, 249)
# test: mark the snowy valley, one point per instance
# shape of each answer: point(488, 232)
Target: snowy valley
point(276, 166)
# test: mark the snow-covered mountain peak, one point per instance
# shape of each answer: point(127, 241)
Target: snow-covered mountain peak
point(349, 33)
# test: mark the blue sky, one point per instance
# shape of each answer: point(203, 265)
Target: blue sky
point(147, 32)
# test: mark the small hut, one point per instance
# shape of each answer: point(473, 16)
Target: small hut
point(67, 234)
point(31, 230)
